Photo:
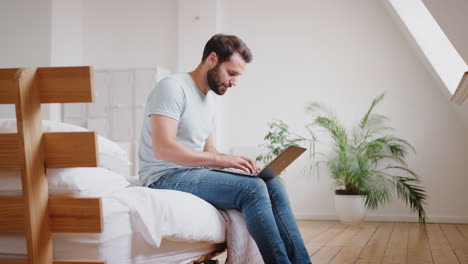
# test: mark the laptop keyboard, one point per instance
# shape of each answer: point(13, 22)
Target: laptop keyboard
point(237, 171)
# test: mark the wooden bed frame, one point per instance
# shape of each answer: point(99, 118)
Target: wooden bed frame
point(32, 150)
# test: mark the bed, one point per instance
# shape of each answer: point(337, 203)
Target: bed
point(60, 200)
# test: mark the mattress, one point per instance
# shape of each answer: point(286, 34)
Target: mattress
point(129, 239)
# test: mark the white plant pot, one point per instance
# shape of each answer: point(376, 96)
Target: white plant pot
point(350, 209)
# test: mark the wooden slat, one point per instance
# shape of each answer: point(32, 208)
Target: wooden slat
point(62, 150)
point(75, 215)
point(8, 92)
point(14, 261)
point(9, 151)
point(66, 214)
point(71, 149)
point(33, 179)
point(55, 84)
point(65, 84)
point(12, 214)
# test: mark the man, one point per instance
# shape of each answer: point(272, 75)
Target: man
point(176, 143)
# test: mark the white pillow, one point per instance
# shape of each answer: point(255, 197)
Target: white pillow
point(80, 181)
point(111, 155)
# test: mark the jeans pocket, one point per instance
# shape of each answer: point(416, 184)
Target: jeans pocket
point(164, 178)
point(161, 180)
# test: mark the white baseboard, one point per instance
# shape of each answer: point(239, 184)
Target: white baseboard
point(386, 218)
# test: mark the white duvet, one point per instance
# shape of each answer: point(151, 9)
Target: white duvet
point(172, 215)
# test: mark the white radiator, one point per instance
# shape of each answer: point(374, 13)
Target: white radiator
point(117, 113)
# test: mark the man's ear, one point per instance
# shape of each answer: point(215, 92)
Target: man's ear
point(212, 59)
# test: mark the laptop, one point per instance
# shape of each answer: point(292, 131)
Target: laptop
point(275, 167)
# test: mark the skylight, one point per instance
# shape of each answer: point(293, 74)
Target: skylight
point(444, 59)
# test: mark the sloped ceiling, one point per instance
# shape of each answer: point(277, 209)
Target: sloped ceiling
point(451, 15)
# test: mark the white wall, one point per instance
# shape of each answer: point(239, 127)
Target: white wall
point(198, 20)
point(25, 27)
point(130, 33)
point(66, 41)
point(343, 54)
point(67, 33)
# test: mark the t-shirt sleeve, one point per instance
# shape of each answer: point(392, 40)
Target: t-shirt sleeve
point(167, 99)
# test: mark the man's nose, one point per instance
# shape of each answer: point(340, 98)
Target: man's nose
point(233, 82)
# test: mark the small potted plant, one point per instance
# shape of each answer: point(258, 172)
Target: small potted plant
point(367, 165)
point(277, 139)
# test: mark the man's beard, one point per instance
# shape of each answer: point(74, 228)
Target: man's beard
point(214, 82)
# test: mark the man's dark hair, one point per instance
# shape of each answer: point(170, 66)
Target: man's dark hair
point(226, 45)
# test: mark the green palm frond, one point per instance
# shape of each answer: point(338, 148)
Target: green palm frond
point(377, 122)
point(365, 119)
point(366, 162)
point(414, 195)
point(337, 131)
point(377, 189)
point(319, 109)
point(404, 169)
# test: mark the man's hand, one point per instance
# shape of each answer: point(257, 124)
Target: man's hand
point(237, 162)
point(166, 147)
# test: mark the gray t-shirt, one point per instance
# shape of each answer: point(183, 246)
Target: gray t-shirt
point(177, 97)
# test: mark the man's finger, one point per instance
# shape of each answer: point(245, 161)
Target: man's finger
point(241, 167)
point(248, 166)
point(252, 163)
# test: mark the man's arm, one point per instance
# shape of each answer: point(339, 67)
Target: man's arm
point(209, 146)
point(166, 147)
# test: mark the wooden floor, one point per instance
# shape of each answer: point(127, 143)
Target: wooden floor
point(383, 242)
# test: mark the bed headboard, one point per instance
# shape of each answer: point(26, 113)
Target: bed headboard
point(31, 150)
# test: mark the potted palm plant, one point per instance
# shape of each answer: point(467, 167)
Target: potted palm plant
point(368, 165)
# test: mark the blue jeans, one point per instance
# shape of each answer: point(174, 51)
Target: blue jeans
point(264, 204)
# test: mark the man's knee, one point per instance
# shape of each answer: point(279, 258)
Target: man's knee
point(275, 185)
point(257, 189)
point(256, 184)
